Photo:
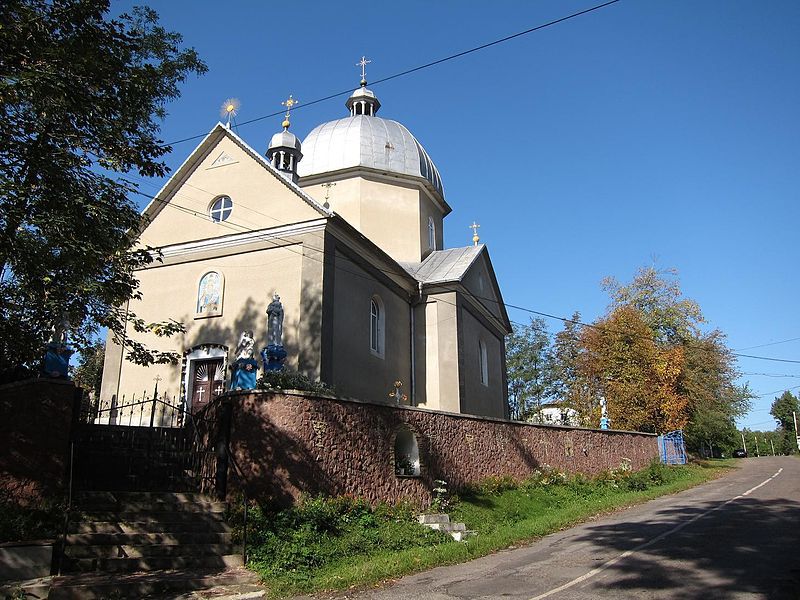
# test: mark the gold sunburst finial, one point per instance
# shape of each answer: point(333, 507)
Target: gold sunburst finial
point(229, 109)
point(475, 237)
point(288, 103)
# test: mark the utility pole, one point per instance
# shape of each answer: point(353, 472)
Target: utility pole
point(744, 444)
point(757, 452)
point(796, 436)
point(773, 447)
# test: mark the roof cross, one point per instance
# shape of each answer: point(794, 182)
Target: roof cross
point(288, 103)
point(363, 64)
point(475, 238)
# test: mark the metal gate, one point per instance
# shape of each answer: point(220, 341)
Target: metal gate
point(149, 445)
point(672, 448)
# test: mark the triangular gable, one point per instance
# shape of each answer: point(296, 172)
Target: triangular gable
point(470, 267)
point(209, 146)
point(481, 283)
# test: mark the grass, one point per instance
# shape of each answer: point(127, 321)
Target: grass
point(331, 544)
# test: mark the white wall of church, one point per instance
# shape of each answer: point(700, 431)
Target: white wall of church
point(171, 291)
point(260, 200)
point(365, 202)
point(481, 398)
point(357, 370)
point(437, 351)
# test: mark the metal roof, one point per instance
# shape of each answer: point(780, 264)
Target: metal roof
point(365, 141)
point(444, 265)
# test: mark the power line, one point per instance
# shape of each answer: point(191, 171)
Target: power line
point(415, 69)
point(777, 375)
point(769, 344)
point(403, 273)
point(783, 360)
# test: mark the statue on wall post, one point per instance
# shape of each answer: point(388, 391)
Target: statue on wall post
point(57, 352)
point(274, 354)
point(245, 367)
point(604, 420)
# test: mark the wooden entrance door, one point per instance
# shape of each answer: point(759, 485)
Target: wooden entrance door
point(208, 382)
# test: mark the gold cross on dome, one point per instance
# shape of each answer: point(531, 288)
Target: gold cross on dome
point(289, 103)
point(475, 238)
point(363, 64)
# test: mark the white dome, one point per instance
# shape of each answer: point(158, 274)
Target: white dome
point(370, 142)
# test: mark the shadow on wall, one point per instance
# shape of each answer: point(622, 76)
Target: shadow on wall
point(288, 448)
point(747, 547)
point(301, 337)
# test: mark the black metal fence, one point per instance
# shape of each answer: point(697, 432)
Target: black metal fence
point(146, 444)
point(159, 410)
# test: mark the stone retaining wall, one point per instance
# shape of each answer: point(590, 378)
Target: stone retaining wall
point(37, 418)
point(292, 443)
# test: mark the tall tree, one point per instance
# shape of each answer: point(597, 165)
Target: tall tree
point(708, 381)
point(570, 382)
point(530, 371)
point(81, 97)
point(635, 374)
point(657, 295)
point(89, 372)
point(784, 408)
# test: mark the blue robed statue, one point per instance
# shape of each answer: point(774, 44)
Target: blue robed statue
point(245, 367)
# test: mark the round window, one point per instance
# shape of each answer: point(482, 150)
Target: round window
point(221, 209)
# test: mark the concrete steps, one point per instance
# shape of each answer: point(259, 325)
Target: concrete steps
point(441, 522)
point(141, 544)
point(237, 582)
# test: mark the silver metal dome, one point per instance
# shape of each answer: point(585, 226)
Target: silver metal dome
point(285, 139)
point(370, 142)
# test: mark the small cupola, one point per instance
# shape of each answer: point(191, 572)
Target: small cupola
point(284, 151)
point(363, 101)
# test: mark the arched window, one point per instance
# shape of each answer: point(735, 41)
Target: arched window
point(376, 326)
point(483, 361)
point(406, 453)
point(431, 234)
point(220, 209)
point(209, 295)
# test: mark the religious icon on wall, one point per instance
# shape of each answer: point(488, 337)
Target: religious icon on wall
point(209, 293)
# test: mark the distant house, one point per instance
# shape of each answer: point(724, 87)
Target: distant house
point(556, 413)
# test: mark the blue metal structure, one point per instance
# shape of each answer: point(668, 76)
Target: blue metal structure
point(672, 448)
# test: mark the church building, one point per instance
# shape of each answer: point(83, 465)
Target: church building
point(347, 229)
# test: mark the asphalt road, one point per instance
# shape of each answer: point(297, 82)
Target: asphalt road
point(737, 537)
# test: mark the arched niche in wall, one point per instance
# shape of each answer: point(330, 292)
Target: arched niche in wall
point(406, 452)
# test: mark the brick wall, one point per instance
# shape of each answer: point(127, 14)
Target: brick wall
point(291, 443)
point(35, 429)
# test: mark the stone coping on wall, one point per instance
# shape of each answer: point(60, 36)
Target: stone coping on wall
point(324, 396)
point(35, 380)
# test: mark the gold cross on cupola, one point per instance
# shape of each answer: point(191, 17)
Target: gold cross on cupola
point(363, 64)
point(475, 238)
point(288, 103)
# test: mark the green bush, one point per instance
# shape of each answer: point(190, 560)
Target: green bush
point(291, 380)
point(292, 543)
point(22, 523)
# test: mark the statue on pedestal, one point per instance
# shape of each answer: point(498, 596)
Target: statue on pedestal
point(274, 355)
point(604, 420)
point(245, 367)
point(57, 352)
point(275, 322)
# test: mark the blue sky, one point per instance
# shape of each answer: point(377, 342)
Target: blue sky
point(661, 131)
